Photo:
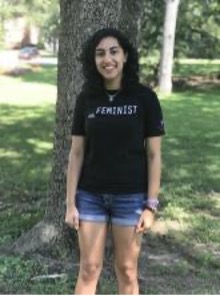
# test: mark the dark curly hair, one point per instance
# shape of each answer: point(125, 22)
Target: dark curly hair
point(93, 81)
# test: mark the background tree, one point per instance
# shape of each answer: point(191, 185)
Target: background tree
point(198, 29)
point(197, 33)
point(40, 13)
point(79, 19)
point(166, 59)
point(50, 27)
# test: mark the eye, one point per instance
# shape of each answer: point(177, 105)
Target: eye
point(113, 51)
point(99, 53)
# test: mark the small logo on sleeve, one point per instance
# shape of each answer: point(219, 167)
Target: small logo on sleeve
point(91, 115)
point(161, 125)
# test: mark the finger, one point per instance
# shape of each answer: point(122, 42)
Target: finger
point(140, 227)
point(76, 222)
point(140, 222)
point(69, 222)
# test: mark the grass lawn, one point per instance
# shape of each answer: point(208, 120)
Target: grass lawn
point(197, 67)
point(185, 67)
point(188, 222)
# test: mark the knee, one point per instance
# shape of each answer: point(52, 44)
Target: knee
point(126, 272)
point(90, 271)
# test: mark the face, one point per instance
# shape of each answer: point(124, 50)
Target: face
point(109, 60)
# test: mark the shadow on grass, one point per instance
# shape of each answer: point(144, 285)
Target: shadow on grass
point(191, 162)
point(45, 74)
point(26, 149)
point(191, 146)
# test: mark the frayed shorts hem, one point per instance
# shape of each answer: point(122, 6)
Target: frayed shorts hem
point(115, 209)
point(105, 220)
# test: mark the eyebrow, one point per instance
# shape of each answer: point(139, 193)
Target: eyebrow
point(103, 49)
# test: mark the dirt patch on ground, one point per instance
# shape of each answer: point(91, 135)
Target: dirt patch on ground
point(167, 269)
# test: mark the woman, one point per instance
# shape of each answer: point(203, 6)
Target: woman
point(115, 160)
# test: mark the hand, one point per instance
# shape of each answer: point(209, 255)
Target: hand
point(72, 217)
point(145, 222)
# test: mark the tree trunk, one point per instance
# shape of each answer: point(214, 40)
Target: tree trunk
point(167, 50)
point(79, 19)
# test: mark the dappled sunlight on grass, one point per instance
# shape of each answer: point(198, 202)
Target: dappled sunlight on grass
point(190, 149)
point(26, 94)
point(30, 89)
point(40, 146)
point(204, 228)
point(176, 212)
point(46, 74)
point(191, 164)
point(26, 148)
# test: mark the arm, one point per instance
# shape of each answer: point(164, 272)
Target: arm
point(76, 157)
point(154, 173)
point(154, 166)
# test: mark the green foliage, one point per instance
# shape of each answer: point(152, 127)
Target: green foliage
point(151, 27)
point(42, 13)
point(50, 27)
point(197, 32)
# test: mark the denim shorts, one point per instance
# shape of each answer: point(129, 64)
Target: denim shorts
point(119, 209)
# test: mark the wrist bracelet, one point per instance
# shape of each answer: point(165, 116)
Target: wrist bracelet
point(151, 209)
point(152, 204)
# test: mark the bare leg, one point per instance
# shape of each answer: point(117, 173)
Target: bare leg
point(92, 237)
point(127, 245)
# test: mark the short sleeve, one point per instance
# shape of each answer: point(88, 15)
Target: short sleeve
point(154, 123)
point(78, 125)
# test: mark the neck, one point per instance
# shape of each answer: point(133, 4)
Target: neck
point(112, 85)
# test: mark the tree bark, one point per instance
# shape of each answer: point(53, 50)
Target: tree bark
point(79, 19)
point(167, 50)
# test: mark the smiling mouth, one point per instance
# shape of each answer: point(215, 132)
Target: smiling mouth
point(109, 68)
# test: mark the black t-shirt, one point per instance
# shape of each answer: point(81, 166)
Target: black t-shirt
point(115, 156)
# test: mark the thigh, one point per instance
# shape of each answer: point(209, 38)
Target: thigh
point(127, 245)
point(92, 237)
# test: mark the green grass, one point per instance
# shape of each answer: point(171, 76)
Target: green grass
point(191, 170)
point(31, 89)
point(190, 193)
point(27, 121)
point(17, 277)
point(184, 67)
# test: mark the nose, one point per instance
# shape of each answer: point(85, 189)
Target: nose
point(107, 57)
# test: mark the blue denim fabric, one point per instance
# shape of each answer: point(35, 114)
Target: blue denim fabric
point(119, 209)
